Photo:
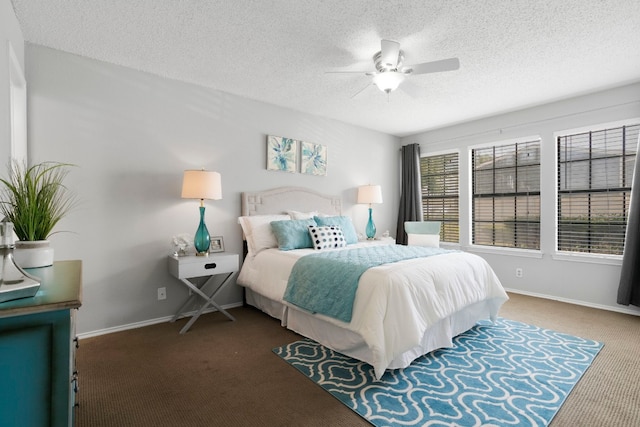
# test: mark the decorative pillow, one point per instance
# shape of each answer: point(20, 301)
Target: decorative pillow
point(292, 234)
point(302, 215)
point(257, 231)
point(430, 240)
point(344, 222)
point(327, 237)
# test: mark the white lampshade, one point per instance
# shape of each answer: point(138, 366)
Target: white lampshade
point(388, 80)
point(201, 184)
point(370, 194)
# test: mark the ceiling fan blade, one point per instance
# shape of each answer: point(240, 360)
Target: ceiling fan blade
point(389, 53)
point(361, 90)
point(450, 64)
point(347, 72)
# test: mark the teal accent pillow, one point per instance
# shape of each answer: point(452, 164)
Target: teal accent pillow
point(344, 222)
point(292, 234)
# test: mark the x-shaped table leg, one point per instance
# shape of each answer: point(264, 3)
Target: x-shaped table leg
point(209, 300)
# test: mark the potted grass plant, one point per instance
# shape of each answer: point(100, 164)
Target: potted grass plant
point(35, 199)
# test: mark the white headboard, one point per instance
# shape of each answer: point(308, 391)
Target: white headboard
point(282, 199)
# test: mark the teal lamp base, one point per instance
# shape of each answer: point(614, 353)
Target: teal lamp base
point(371, 228)
point(202, 240)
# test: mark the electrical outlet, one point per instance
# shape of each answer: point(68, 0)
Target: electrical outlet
point(162, 293)
point(519, 272)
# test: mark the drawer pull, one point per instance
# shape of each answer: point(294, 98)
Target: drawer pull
point(74, 381)
point(210, 265)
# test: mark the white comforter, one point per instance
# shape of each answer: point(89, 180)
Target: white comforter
point(395, 303)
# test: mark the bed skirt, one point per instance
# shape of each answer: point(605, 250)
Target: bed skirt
point(352, 344)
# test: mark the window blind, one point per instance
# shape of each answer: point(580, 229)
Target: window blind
point(595, 172)
point(439, 184)
point(506, 195)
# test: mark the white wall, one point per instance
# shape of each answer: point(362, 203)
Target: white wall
point(583, 280)
point(131, 134)
point(10, 34)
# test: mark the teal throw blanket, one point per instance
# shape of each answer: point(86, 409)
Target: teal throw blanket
point(326, 282)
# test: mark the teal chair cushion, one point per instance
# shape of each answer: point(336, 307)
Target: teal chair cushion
point(422, 227)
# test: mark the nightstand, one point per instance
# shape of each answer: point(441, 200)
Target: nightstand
point(380, 241)
point(387, 240)
point(186, 268)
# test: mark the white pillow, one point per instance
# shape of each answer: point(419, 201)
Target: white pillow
point(430, 240)
point(302, 215)
point(257, 231)
point(327, 237)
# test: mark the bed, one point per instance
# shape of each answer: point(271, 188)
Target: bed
point(401, 310)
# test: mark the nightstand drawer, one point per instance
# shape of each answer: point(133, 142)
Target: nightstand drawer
point(192, 266)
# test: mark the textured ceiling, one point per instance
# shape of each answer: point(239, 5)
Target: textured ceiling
point(513, 53)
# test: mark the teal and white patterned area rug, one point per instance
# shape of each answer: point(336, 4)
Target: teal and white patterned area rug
point(503, 374)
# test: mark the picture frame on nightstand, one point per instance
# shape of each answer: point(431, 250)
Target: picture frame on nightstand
point(217, 244)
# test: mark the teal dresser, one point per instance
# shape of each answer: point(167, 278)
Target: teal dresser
point(38, 380)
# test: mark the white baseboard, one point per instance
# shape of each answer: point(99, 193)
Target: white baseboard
point(147, 322)
point(239, 304)
point(576, 302)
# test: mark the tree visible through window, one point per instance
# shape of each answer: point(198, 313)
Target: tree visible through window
point(506, 195)
point(595, 171)
point(439, 181)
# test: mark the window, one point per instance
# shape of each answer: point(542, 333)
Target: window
point(506, 195)
point(439, 181)
point(595, 170)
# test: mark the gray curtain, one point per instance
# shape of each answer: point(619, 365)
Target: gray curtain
point(629, 287)
point(410, 196)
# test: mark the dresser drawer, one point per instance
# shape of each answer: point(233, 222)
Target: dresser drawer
point(193, 266)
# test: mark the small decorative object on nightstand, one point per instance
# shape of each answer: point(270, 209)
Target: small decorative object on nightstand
point(217, 244)
point(180, 244)
point(188, 267)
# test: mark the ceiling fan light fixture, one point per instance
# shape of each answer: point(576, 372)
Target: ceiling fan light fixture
point(388, 81)
point(389, 70)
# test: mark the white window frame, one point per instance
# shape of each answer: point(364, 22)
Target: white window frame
point(444, 153)
point(17, 108)
point(499, 250)
point(582, 256)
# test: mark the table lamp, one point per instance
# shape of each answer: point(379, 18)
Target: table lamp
point(370, 194)
point(201, 184)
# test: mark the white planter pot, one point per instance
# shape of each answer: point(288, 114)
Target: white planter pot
point(33, 254)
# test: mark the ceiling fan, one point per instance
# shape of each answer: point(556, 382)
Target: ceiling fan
point(390, 71)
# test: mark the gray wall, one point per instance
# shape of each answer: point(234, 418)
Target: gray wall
point(131, 134)
point(585, 280)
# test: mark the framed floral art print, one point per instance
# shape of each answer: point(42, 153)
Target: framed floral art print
point(282, 154)
point(313, 158)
